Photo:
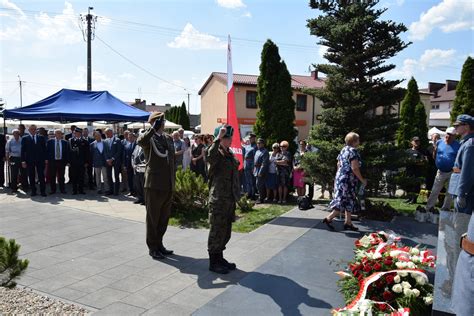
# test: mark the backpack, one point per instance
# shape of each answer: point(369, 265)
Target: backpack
point(304, 203)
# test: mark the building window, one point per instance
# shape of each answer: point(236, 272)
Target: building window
point(301, 102)
point(251, 99)
point(435, 107)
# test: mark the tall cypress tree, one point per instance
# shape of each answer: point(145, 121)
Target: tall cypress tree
point(464, 101)
point(420, 128)
point(356, 97)
point(184, 117)
point(408, 122)
point(276, 107)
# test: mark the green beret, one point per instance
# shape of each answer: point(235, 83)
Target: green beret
point(229, 132)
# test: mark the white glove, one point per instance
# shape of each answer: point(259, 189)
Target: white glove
point(461, 202)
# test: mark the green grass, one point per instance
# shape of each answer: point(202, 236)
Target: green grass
point(246, 222)
point(399, 204)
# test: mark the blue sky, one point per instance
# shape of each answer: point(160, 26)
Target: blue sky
point(184, 41)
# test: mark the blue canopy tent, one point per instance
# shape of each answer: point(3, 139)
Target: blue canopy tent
point(76, 105)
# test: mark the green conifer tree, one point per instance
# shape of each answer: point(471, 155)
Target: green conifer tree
point(408, 122)
point(464, 101)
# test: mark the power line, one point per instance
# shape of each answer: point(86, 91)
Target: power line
point(140, 67)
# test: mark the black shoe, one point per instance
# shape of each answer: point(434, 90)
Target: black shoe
point(351, 227)
point(43, 194)
point(142, 203)
point(109, 193)
point(156, 254)
point(52, 192)
point(165, 251)
point(329, 224)
point(33, 194)
point(216, 266)
point(227, 264)
point(137, 202)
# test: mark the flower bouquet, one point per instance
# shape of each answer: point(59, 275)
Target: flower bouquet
point(386, 278)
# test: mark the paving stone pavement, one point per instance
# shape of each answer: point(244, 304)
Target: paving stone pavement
point(92, 252)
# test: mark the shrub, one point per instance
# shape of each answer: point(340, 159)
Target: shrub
point(245, 204)
point(10, 266)
point(191, 195)
point(378, 211)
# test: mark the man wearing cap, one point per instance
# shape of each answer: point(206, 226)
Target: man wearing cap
point(417, 160)
point(71, 134)
point(159, 182)
point(223, 194)
point(462, 186)
point(444, 154)
point(249, 178)
point(78, 158)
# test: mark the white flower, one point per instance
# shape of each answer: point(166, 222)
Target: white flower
point(415, 251)
point(407, 292)
point(416, 292)
point(397, 279)
point(394, 253)
point(400, 264)
point(397, 288)
point(410, 265)
point(403, 273)
point(415, 259)
point(428, 300)
point(377, 255)
point(365, 241)
point(421, 280)
point(406, 285)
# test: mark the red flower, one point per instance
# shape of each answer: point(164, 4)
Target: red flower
point(388, 262)
point(387, 296)
point(389, 279)
point(379, 284)
point(377, 266)
point(382, 307)
point(367, 268)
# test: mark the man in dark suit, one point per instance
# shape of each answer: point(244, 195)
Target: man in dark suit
point(114, 161)
point(33, 158)
point(71, 134)
point(127, 161)
point(90, 178)
point(78, 157)
point(3, 142)
point(57, 154)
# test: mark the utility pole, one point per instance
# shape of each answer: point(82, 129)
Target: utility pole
point(188, 105)
point(21, 91)
point(89, 52)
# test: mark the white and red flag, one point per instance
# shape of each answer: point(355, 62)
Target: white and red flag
point(232, 120)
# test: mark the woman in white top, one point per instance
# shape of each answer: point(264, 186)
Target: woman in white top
point(187, 156)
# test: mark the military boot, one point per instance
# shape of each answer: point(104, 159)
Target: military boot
point(215, 265)
point(227, 264)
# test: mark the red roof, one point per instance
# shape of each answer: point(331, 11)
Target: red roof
point(297, 81)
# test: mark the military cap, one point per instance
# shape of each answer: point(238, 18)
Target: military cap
point(78, 130)
point(416, 138)
point(229, 131)
point(464, 119)
point(156, 115)
point(252, 135)
point(261, 140)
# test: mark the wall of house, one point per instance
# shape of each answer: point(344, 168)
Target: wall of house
point(213, 105)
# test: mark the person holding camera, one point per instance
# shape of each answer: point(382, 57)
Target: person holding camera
point(159, 182)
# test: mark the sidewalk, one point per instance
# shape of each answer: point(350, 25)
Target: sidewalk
point(92, 252)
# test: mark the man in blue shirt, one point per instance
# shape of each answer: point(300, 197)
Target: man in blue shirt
point(261, 161)
point(462, 185)
point(249, 178)
point(444, 154)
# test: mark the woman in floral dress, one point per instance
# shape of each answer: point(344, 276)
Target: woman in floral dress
point(347, 177)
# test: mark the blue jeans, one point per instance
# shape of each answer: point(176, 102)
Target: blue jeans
point(249, 184)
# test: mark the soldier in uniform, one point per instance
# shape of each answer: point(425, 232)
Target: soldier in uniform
point(78, 158)
point(159, 182)
point(462, 182)
point(223, 194)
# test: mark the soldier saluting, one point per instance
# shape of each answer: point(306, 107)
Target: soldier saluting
point(159, 182)
point(79, 155)
point(223, 195)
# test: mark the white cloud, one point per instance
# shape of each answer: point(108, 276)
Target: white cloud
point(231, 4)
point(13, 32)
point(127, 76)
point(191, 38)
point(430, 59)
point(10, 5)
point(247, 15)
point(449, 16)
point(61, 28)
point(100, 81)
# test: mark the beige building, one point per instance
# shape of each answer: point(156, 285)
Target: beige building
point(214, 102)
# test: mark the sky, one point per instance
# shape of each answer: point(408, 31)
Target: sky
point(163, 50)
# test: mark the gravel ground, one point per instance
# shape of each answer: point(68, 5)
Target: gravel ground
point(23, 301)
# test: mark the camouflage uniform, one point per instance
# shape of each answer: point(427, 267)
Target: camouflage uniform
point(223, 195)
